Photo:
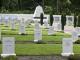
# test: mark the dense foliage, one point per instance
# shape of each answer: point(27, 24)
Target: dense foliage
point(49, 6)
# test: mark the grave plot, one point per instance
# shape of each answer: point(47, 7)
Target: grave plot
point(45, 21)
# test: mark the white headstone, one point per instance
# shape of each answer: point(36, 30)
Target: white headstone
point(68, 29)
point(70, 20)
point(37, 32)
point(77, 29)
point(74, 36)
point(46, 25)
point(57, 22)
point(51, 30)
point(6, 20)
point(13, 21)
point(67, 47)
point(8, 46)
point(22, 27)
point(38, 11)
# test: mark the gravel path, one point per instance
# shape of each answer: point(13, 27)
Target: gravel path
point(41, 58)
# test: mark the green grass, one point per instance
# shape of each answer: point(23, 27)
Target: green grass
point(6, 31)
point(37, 49)
point(41, 49)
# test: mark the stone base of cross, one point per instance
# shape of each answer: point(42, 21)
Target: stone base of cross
point(6, 55)
point(67, 54)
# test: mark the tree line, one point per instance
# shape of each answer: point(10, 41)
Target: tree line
point(49, 6)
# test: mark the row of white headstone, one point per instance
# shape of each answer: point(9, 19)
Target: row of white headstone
point(8, 43)
point(57, 19)
point(8, 47)
point(37, 30)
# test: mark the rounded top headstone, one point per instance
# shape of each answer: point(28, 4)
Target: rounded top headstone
point(38, 11)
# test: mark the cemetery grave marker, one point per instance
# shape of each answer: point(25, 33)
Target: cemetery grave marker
point(22, 27)
point(13, 21)
point(45, 21)
point(57, 22)
point(51, 30)
point(70, 20)
point(38, 11)
point(37, 32)
point(75, 36)
point(67, 47)
point(8, 46)
point(69, 27)
point(6, 20)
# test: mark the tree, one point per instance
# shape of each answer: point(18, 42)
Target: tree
point(63, 21)
point(75, 21)
point(78, 22)
point(41, 18)
point(51, 19)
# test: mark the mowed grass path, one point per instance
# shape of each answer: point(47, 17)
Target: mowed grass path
point(41, 49)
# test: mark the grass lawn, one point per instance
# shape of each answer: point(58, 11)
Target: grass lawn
point(37, 49)
point(6, 31)
point(41, 49)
